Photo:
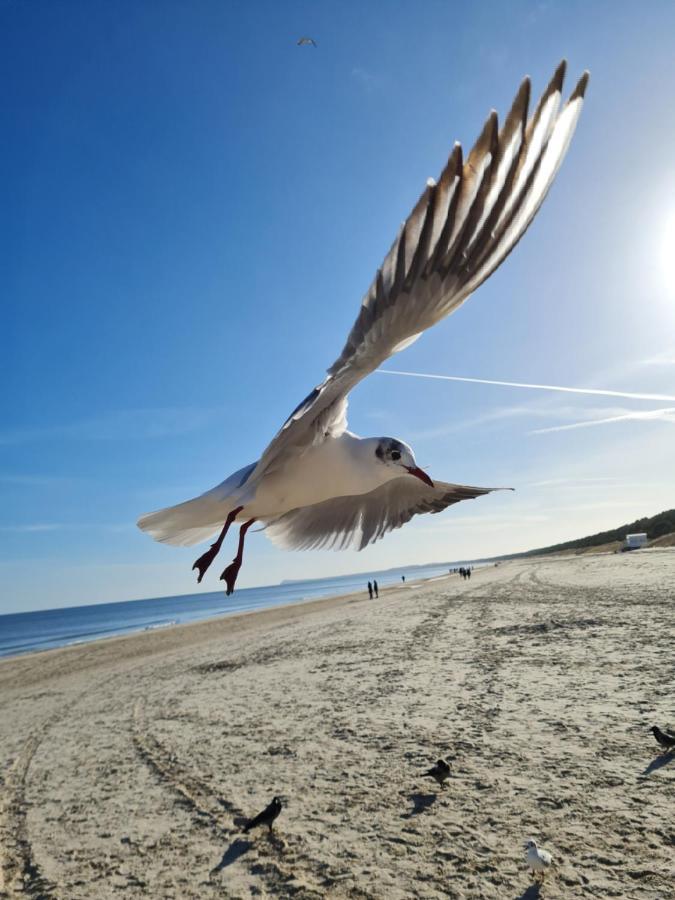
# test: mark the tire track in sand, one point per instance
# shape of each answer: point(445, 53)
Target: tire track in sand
point(19, 872)
point(279, 863)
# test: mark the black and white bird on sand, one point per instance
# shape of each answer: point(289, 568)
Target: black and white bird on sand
point(440, 772)
point(266, 817)
point(317, 484)
point(667, 741)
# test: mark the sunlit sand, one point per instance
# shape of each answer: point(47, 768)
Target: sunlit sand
point(132, 763)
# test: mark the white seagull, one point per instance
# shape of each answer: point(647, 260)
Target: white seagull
point(538, 859)
point(319, 485)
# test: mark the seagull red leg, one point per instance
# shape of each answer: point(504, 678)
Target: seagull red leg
point(207, 558)
point(229, 576)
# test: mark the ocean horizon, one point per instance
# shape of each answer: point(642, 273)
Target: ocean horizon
point(47, 629)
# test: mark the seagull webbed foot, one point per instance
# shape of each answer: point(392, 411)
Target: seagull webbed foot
point(205, 561)
point(229, 576)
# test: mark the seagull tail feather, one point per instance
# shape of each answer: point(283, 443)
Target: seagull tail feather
point(185, 524)
point(198, 519)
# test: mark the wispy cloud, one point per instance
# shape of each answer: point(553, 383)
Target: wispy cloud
point(566, 482)
point(596, 392)
point(661, 359)
point(133, 424)
point(493, 415)
point(369, 81)
point(33, 527)
point(505, 520)
point(39, 481)
point(653, 415)
point(30, 529)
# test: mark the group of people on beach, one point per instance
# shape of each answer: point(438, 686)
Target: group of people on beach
point(374, 591)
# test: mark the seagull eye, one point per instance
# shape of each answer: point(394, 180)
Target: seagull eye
point(395, 454)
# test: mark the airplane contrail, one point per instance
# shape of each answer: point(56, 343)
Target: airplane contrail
point(663, 415)
point(535, 387)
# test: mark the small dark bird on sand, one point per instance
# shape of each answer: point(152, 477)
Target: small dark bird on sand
point(665, 740)
point(440, 772)
point(266, 817)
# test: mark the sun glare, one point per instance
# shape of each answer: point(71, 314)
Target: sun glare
point(668, 253)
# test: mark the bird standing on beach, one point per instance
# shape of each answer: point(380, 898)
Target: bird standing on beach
point(662, 738)
point(319, 485)
point(440, 772)
point(266, 817)
point(538, 859)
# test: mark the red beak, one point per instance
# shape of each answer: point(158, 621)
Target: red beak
point(421, 474)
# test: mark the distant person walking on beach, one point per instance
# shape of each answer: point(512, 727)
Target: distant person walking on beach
point(403, 578)
point(375, 588)
point(370, 590)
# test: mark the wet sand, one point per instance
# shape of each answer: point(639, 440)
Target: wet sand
point(127, 766)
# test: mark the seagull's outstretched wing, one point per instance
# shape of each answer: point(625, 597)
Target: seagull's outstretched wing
point(361, 520)
point(461, 229)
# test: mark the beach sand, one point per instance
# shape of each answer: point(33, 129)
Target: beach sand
point(127, 765)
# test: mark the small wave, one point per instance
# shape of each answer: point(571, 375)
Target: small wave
point(155, 625)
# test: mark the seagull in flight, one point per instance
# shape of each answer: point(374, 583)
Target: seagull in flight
point(306, 42)
point(317, 484)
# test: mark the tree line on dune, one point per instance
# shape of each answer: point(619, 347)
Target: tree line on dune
point(654, 527)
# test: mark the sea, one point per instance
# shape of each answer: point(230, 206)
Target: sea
point(50, 628)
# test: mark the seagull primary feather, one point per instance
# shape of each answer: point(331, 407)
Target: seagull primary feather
point(317, 484)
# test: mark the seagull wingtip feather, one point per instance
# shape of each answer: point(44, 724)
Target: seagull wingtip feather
point(580, 90)
point(556, 82)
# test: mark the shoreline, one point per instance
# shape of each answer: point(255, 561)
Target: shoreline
point(161, 640)
point(124, 631)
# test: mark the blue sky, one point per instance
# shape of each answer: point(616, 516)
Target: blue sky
point(192, 209)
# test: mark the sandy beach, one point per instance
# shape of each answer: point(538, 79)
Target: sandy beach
point(127, 766)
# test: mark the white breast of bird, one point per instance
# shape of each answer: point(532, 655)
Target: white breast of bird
point(537, 857)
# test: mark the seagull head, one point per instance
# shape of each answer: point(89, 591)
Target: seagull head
point(399, 457)
point(530, 845)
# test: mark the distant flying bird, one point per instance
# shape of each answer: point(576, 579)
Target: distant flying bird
point(538, 860)
point(440, 772)
point(266, 817)
point(306, 41)
point(317, 484)
point(662, 738)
